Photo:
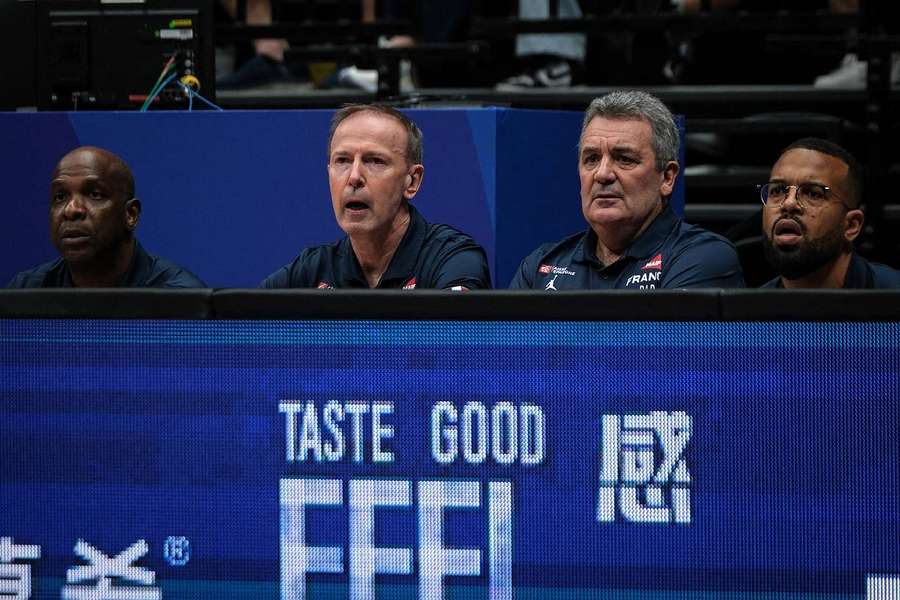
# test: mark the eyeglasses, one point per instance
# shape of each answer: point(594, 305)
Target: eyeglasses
point(810, 195)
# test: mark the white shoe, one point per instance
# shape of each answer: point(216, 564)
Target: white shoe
point(895, 69)
point(850, 75)
point(407, 83)
point(367, 79)
point(853, 72)
point(363, 79)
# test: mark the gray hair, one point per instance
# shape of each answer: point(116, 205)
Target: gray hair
point(413, 133)
point(634, 104)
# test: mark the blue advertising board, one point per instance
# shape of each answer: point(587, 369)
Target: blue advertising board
point(404, 459)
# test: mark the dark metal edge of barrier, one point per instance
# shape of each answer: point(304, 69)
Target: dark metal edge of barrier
point(145, 303)
point(497, 305)
point(810, 305)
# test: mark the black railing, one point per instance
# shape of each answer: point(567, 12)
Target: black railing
point(498, 305)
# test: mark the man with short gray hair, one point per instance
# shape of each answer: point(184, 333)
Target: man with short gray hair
point(628, 163)
point(374, 171)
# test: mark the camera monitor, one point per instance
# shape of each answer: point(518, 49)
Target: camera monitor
point(98, 54)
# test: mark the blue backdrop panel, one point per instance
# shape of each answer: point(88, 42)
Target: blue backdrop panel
point(233, 196)
point(522, 457)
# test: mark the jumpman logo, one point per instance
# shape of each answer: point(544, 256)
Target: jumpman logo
point(550, 285)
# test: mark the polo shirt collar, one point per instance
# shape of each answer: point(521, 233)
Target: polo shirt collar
point(403, 263)
point(136, 272)
point(858, 275)
point(643, 247)
point(139, 269)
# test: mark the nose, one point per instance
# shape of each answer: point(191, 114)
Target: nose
point(355, 176)
point(75, 208)
point(791, 202)
point(603, 173)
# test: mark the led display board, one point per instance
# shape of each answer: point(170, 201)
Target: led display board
point(205, 459)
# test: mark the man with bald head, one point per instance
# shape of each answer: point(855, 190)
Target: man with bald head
point(93, 215)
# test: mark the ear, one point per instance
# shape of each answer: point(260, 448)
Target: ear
point(132, 213)
point(413, 181)
point(853, 224)
point(669, 175)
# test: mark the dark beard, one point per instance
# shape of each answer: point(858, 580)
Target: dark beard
point(809, 256)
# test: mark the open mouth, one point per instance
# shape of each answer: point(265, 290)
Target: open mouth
point(356, 205)
point(787, 232)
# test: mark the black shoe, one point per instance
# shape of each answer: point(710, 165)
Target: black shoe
point(259, 70)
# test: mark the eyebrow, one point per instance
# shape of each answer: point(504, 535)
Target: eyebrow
point(364, 153)
point(626, 148)
point(92, 182)
point(616, 148)
point(812, 182)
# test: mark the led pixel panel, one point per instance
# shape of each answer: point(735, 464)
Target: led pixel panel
point(429, 459)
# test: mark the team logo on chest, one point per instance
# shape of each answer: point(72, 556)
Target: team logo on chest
point(650, 275)
point(545, 269)
point(654, 264)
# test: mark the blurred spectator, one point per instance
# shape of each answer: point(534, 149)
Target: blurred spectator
point(852, 72)
point(549, 60)
point(433, 23)
point(266, 66)
point(739, 57)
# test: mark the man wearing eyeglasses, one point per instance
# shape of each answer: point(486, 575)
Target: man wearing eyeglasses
point(812, 216)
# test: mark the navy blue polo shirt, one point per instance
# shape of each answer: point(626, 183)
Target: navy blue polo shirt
point(861, 275)
point(668, 254)
point(429, 256)
point(145, 270)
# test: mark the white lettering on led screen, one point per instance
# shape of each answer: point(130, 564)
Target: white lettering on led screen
point(435, 559)
point(15, 578)
point(106, 570)
point(474, 434)
point(505, 434)
point(354, 431)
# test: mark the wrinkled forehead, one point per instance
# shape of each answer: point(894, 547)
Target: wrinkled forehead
point(802, 165)
point(626, 131)
point(373, 129)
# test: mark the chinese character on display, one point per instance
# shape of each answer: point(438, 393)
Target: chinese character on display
point(15, 579)
point(103, 569)
point(641, 463)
